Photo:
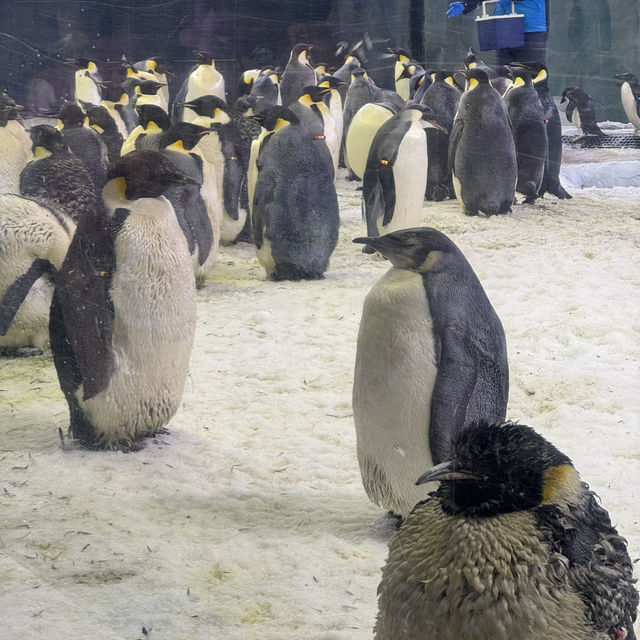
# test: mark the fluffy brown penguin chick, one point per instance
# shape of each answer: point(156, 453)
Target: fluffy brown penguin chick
point(511, 545)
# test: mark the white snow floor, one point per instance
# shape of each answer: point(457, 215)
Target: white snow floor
point(248, 519)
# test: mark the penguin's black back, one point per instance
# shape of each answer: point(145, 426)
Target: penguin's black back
point(91, 149)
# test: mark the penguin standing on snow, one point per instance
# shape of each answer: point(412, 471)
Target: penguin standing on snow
point(15, 143)
point(35, 240)
point(431, 358)
point(297, 75)
point(529, 133)
point(443, 96)
point(177, 146)
point(295, 215)
point(123, 311)
point(580, 111)
point(395, 177)
point(511, 545)
point(630, 96)
point(85, 142)
point(482, 153)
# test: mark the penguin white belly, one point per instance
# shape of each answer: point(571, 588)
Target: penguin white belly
point(16, 153)
point(362, 130)
point(85, 88)
point(212, 201)
point(205, 80)
point(332, 140)
point(252, 171)
point(630, 106)
point(410, 177)
point(575, 119)
point(154, 299)
point(265, 255)
point(394, 377)
point(120, 124)
point(403, 88)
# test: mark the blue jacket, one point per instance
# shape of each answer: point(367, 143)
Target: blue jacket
point(535, 12)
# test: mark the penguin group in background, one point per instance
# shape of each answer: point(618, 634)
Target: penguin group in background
point(511, 545)
point(123, 311)
point(56, 178)
point(116, 101)
point(482, 154)
point(442, 95)
point(499, 78)
point(529, 133)
point(294, 215)
point(85, 143)
point(431, 359)
point(101, 121)
point(297, 75)
point(35, 240)
point(15, 143)
point(266, 89)
point(395, 177)
point(581, 112)
point(630, 97)
point(177, 146)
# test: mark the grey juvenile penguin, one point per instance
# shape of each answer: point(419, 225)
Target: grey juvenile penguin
point(512, 545)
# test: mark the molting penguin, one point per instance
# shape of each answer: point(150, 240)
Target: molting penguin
point(581, 112)
point(443, 96)
point(177, 145)
point(630, 96)
point(15, 143)
point(396, 173)
point(529, 133)
point(85, 143)
point(123, 311)
point(297, 75)
point(203, 80)
point(482, 153)
point(56, 178)
point(35, 240)
point(431, 358)
point(295, 215)
point(511, 545)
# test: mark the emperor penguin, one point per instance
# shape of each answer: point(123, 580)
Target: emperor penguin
point(297, 75)
point(581, 112)
point(334, 102)
point(100, 120)
point(551, 180)
point(177, 145)
point(148, 92)
point(442, 95)
point(500, 78)
point(343, 73)
point(123, 311)
point(35, 240)
point(266, 89)
point(116, 101)
point(56, 178)
point(84, 142)
point(362, 130)
point(294, 215)
point(15, 143)
point(630, 96)
point(203, 80)
point(153, 121)
point(512, 544)
point(482, 153)
point(395, 177)
point(529, 133)
point(247, 78)
point(159, 68)
point(402, 74)
point(431, 359)
point(87, 81)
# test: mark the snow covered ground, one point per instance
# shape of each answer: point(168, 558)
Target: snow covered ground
point(248, 519)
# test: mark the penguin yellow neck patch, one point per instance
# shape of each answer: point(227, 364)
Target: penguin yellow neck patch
point(118, 187)
point(558, 481)
point(305, 100)
point(281, 123)
point(177, 146)
point(473, 83)
point(542, 75)
point(518, 82)
point(40, 152)
point(97, 127)
point(449, 80)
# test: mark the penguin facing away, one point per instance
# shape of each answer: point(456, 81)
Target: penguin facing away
point(295, 216)
point(482, 153)
point(395, 177)
point(630, 97)
point(123, 311)
point(529, 133)
point(580, 111)
point(431, 358)
point(511, 545)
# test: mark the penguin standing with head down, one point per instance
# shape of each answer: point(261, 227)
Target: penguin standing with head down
point(482, 153)
point(431, 358)
point(123, 311)
point(511, 545)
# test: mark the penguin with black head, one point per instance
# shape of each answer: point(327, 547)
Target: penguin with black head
point(512, 544)
point(581, 112)
point(100, 120)
point(431, 358)
point(203, 79)
point(297, 75)
point(123, 312)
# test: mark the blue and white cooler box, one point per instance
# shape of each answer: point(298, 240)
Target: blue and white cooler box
point(500, 32)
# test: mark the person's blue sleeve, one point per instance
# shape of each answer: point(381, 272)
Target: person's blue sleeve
point(455, 9)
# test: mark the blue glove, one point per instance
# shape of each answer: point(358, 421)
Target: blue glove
point(455, 9)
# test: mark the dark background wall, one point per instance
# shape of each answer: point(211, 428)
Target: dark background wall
point(590, 40)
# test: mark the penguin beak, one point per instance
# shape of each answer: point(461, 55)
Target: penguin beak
point(387, 245)
point(445, 471)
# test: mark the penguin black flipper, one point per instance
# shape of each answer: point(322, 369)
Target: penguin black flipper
point(16, 293)
point(373, 195)
point(388, 185)
point(232, 180)
point(571, 107)
point(599, 567)
point(86, 311)
point(454, 140)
